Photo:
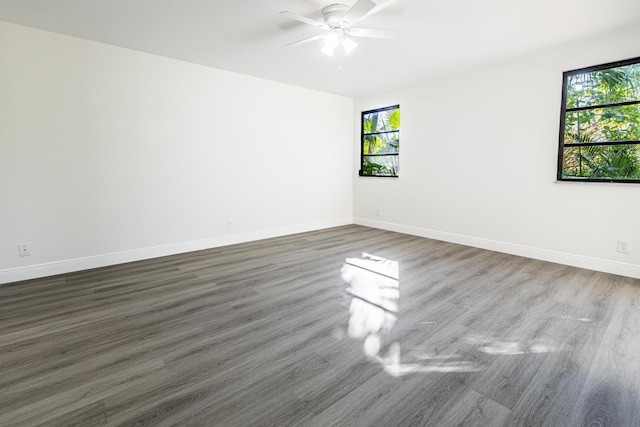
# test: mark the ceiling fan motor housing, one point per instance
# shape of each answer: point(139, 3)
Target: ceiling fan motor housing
point(333, 15)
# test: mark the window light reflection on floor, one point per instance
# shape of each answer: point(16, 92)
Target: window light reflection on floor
point(373, 284)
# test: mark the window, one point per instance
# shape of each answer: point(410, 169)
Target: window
point(600, 124)
point(380, 147)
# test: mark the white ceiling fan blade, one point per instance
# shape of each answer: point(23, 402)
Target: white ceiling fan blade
point(305, 41)
point(304, 19)
point(377, 33)
point(380, 7)
point(357, 11)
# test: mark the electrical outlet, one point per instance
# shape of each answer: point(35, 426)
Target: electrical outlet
point(623, 246)
point(24, 249)
point(229, 224)
point(378, 212)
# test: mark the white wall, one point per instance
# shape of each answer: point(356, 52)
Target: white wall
point(110, 155)
point(478, 164)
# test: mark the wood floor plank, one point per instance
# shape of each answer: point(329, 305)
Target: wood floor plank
point(60, 402)
point(474, 410)
point(262, 334)
point(94, 414)
point(552, 401)
point(611, 394)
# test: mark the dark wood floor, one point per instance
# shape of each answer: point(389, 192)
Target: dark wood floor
point(269, 334)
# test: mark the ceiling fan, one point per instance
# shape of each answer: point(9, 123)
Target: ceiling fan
point(337, 24)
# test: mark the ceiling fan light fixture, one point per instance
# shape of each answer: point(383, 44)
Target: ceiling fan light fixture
point(328, 50)
point(348, 45)
point(332, 40)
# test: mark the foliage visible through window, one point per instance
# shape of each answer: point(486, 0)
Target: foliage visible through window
point(600, 123)
point(380, 142)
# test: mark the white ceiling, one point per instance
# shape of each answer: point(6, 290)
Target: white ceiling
point(248, 36)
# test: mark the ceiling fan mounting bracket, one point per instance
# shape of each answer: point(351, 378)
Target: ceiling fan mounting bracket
point(333, 15)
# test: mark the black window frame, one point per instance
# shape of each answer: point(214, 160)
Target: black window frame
point(362, 139)
point(563, 114)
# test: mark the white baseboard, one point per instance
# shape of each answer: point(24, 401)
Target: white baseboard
point(597, 264)
point(85, 263)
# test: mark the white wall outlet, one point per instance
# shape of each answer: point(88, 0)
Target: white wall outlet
point(623, 246)
point(378, 212)
point(229, 224)
point(24, 249)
